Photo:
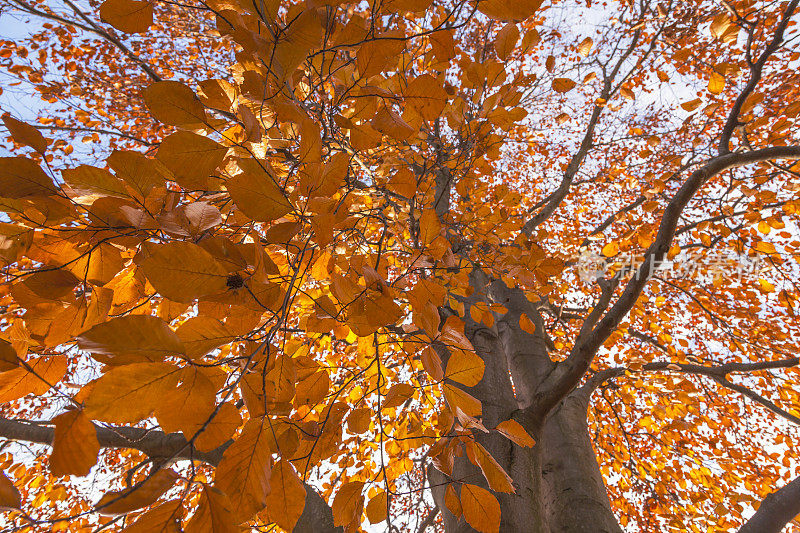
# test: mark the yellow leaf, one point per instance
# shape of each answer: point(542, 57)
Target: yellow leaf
point(481, 509)
point(191, 158)
point(137, 496)
point(21, 177)
point(131, 393)
point(585, 47)
point(515, 433)
point(287, 496)
point(35, 377)
point(764, 247)
point(377, 508)
point(25, 134)
point(563, 85)
point(214, 513)
point(429, 227)
point(611, 249)
point(201, 334)
point(10, 498)
point(75, 445)
point(458, 398)
point(716, 83)
point(140, 172)
point(244, 472)
point(182, 271)
point(129, 16)
point(510, 10)
point(174, 103)
point(166, 518)
point(464, 367)
point(348, 503)
point(133, 339)
point(256, 194)
point(506, 40)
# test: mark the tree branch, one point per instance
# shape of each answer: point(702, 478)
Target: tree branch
point(756, 70)
point(577, 363)
point(317, 516)
point(776, 510)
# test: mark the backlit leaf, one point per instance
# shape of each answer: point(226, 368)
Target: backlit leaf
point(138, 495)
point(173, 103)
point(244, 472)
point(183, 271)
point(133, 339)
point(35, 376)
point(75, 446)
point(131, 393)
point(25, 134)
point(287, 496)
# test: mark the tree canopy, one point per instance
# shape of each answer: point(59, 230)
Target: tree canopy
point(400, 265)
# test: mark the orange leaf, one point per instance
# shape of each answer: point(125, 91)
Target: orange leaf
point(511, 10)
point(465, 367)
point(214, 513)
point(244, 472)
point(515, 433)
point(138, 496)
point(287, 497)
point(348, 503)
point(75, 445)
point(481, 509)
point(36, 377)
point(173, 103)
point(166, 518)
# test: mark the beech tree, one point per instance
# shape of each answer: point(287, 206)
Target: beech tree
point(402, 265)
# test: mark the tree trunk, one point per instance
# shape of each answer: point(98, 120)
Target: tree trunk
point(573, 493)
point(558, 484)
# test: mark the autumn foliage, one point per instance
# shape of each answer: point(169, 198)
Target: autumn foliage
point(493, 265)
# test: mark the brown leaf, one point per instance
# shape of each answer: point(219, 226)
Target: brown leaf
point(25, 134)
point(10, 498)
